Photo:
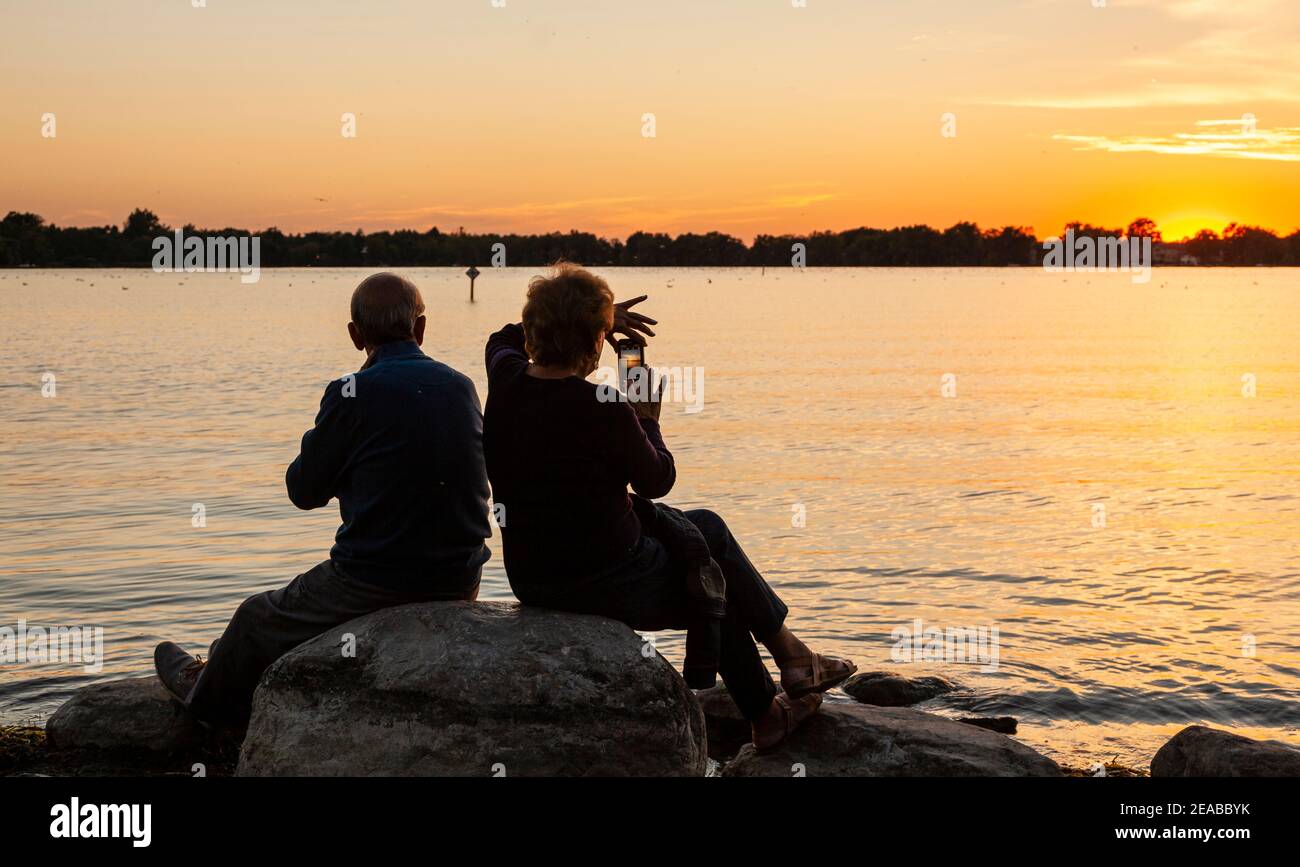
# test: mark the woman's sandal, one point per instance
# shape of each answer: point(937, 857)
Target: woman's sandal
point(825, 672)
point(793, 714)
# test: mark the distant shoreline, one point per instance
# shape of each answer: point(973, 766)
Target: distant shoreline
point(28, 240)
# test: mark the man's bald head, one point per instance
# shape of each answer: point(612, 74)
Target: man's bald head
point(385, 308)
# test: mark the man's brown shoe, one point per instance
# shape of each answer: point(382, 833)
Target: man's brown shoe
point(177, 670)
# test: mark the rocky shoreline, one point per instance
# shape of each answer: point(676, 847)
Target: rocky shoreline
point(494, 689)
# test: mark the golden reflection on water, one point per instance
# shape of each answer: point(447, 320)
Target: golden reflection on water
point(822, 391)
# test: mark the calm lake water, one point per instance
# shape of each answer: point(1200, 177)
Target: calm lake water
point(1075, 393)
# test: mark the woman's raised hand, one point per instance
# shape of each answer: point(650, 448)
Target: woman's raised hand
point(631, 325)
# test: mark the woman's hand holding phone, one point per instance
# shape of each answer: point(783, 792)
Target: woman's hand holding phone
point(646, 400)
point(639, 385)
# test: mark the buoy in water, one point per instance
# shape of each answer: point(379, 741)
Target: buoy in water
point(472, 274)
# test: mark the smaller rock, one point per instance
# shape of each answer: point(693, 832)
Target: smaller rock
point(1004, 724)
point(728, 730)
point(1197, 751)
point(886, 689)
point(846, 739)
point(129, 715)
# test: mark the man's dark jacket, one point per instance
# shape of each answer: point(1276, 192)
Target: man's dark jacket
point(400, 444)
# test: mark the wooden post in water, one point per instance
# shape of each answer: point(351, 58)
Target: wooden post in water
point(472, 274)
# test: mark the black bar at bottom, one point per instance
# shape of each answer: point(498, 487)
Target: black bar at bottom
point(650, 819)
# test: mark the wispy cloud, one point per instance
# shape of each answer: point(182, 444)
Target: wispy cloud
point(1232, 139)
point(1155, 96)
point(798, 201)
point(1184, 53)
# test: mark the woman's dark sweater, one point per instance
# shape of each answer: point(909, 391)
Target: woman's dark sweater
point(560, 461)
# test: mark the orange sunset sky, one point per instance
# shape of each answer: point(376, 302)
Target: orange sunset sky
point(769, 117)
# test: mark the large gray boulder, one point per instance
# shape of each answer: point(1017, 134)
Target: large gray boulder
point(474, 689)
point(890, 689)
point(1197, 751)
point(854, 740)
point(133, 715)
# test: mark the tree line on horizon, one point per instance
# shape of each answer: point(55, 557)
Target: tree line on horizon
point(28, 240)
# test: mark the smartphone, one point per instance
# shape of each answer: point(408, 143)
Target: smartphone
point(631, 355)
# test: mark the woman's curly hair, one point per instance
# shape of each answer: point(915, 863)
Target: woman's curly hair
point(566, 313)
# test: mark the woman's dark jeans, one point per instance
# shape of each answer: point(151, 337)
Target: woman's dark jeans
point(648, 593)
